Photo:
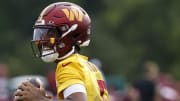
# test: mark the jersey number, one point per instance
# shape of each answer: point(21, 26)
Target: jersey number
point(101, 83)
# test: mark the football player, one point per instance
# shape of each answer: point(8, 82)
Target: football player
point(59, 33)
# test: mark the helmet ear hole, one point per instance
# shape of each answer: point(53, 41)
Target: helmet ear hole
point(63, 28)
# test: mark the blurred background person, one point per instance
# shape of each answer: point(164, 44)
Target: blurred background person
point(166, 88)
point(164, 83)
point(97, 62)
point(131, 94)
point(144, 88)
point(4, 82)
point(116, 86)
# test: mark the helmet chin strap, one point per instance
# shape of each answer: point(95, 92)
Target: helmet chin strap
point(52, 56)
point(49, 56)
point(68, 54)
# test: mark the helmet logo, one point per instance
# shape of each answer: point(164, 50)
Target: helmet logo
point(73, 14)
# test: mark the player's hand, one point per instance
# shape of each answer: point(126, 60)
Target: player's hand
point(28, 92)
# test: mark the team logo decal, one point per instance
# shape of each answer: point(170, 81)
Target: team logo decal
point(73, 14)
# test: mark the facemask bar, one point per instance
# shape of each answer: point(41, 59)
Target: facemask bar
point(43, 36)
point(38, 50)
point(44, 40)
point(35, 49)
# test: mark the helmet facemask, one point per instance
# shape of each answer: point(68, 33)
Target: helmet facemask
point(49, 43)
point(43, 43)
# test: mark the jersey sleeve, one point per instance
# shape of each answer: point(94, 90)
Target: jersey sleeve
point(67, 74)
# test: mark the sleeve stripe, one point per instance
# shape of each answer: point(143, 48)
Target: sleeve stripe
point(73, 89)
